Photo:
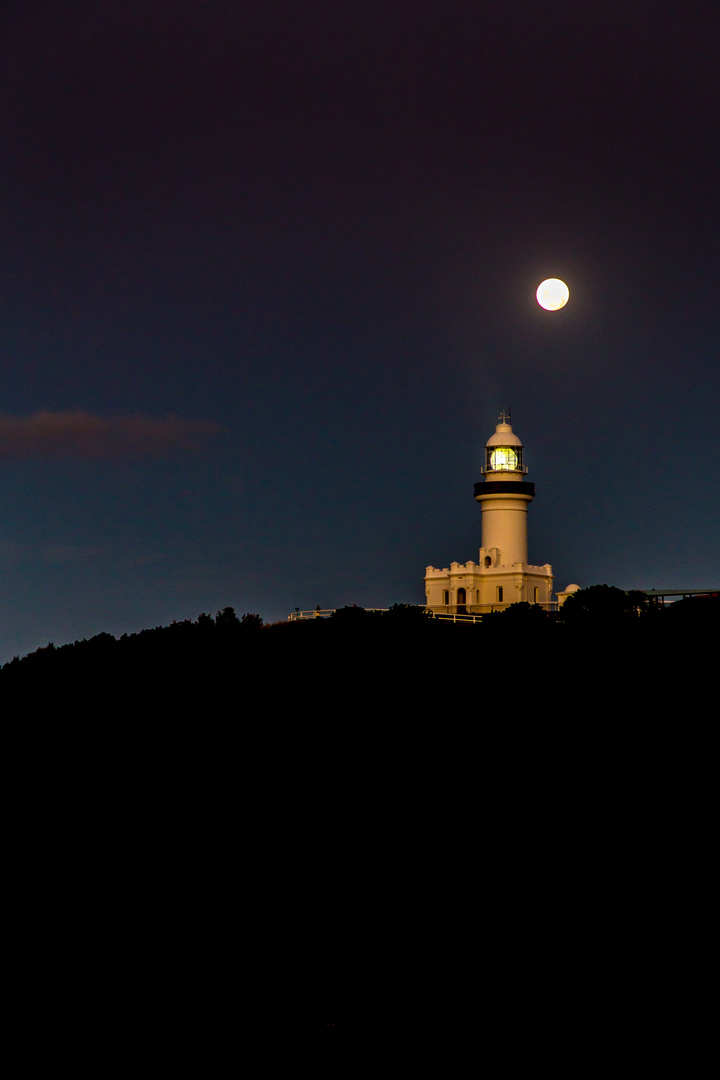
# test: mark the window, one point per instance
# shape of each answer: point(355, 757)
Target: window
point(499, 594)
point(446, 597)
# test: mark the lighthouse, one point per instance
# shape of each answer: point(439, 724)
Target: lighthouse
point(502, 575)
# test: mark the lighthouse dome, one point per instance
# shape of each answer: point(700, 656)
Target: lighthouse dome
point(504, 436)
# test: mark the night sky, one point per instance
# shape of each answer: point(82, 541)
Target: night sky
point(267, 278)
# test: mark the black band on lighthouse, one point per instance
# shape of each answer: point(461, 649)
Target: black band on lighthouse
point(505, 487)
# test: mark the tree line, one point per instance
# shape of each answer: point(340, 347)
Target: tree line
point(207, 640)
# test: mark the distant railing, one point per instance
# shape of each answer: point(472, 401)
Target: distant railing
point(661, 595)
point(323, 613)
point(446, 616)
point(319, 613)
point(551, 605)
point(454, 618)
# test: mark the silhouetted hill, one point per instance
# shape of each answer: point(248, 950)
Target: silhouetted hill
point(222, 833)
point(308, 663)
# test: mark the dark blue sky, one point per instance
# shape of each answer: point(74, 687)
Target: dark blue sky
point(267, 277)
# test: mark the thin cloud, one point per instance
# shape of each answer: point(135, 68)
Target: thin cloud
point(80, 434)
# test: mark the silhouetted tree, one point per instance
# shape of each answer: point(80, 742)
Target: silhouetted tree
point(250, 621)
point(351, 614)
point(407, 614)
point(603, 604)
point(523, 611)
point(227, 621)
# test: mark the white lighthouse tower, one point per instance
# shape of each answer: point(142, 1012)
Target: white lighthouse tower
point(502, 575)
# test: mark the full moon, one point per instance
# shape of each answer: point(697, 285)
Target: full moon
point(552, 294)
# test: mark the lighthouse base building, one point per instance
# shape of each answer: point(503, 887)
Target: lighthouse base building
point(502, 575)
point(471, 589)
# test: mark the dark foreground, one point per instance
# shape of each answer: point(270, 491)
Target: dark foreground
point(492, 839)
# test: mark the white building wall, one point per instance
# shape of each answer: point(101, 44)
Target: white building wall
point(481, 586)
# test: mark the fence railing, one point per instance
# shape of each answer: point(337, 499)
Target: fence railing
point(318, 613)
point(448, 616)
point(488, 609)
point(323, 613)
